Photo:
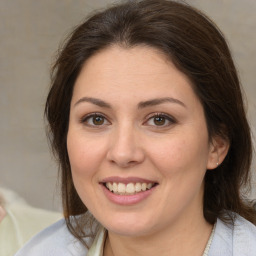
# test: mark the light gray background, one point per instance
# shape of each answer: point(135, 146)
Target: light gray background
point(30, 32)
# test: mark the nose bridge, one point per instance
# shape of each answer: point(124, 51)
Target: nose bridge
point(124, 147)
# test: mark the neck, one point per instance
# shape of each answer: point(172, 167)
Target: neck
point(183, 238)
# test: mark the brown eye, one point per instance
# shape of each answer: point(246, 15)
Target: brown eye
point(94, 120)
point(159, 120)
point(98, 120)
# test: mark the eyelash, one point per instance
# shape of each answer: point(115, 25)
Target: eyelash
point(85, 119)
point(166, 117)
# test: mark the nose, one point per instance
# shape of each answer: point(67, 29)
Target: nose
point(125, 148)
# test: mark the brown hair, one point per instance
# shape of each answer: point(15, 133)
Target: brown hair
point(197, 48)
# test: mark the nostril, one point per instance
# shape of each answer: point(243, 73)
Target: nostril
point(123, 163)
point(125, 153)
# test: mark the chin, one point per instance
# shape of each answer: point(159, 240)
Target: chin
point(128, 227)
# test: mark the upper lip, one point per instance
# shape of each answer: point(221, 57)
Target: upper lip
point(126, 180)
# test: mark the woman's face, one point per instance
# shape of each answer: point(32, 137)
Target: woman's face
point(137, 127)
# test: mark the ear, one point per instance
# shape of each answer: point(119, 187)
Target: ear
point(218, 150)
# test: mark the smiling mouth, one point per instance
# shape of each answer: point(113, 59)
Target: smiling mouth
point(119, 188)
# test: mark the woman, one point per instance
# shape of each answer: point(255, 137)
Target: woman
point(147, 121)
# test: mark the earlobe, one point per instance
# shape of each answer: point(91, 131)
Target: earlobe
point(218, 150)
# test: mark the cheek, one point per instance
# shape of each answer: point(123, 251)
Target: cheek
point(180, 154)
point(83, 155)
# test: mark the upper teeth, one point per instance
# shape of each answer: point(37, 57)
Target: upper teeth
point(130, 188)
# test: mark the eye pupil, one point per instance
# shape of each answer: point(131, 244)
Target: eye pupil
point(98, 120)
point(159, 120)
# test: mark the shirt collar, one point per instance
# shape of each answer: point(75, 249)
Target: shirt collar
point(97, 246)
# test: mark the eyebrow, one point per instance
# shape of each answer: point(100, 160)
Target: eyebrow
point(143, 104)
point(159, 101)
point(94, 101)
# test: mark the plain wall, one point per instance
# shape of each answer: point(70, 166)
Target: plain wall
point(30, 32)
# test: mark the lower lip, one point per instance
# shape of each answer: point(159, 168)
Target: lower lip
point(127, 199)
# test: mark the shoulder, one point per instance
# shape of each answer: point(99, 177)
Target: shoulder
point(53, 241)
point(244, 237)
point(238, 239)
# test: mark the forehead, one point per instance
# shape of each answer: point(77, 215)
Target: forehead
point(139, 72)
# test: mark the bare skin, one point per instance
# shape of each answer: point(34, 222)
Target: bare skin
point(181, 240)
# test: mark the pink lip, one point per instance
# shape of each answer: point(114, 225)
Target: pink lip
point(127, 199)
point(126, 180)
